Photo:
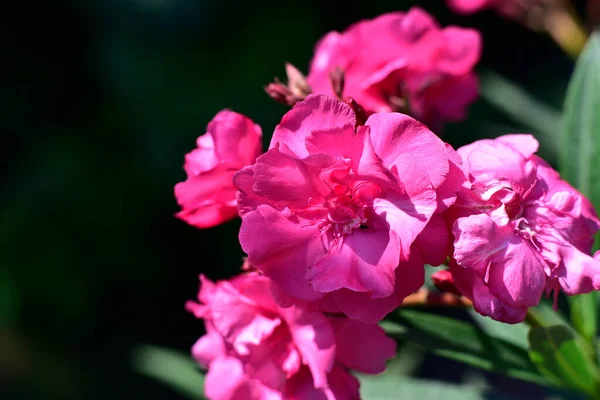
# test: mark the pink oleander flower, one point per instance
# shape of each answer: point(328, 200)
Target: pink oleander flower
point(347, 214)
point(515, 9)
point(519, 230)
point(207, 197)
point(402, 62)
point(256, 349)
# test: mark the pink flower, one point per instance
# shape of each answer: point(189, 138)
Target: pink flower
point(346, 214)
point(519, 230)
point(256, 349)
point(515, 9)
point(207, 197)
point(402, 62)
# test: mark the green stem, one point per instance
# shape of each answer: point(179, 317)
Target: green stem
point(534, 319)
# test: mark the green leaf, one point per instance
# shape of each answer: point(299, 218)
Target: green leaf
point(558, 355)
point(584, 314)
point(170, 367)
point(515, 334)
point(394, 384)
point(580, 157)
point(464, 342)
point(521, 107)
point(389, 387)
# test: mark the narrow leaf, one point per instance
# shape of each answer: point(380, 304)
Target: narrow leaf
point(515, 334)
point(464, 342)
point(386, 387)
point(580, 142)
point(394, 384)
point(557, 354)
point(584, 314)
point(580, 158)
point(170, 367)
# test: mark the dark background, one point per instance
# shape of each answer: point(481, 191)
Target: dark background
point(100, 100)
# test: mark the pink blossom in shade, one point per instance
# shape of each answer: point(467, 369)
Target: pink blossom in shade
point(207, 196)
point(515, 9)
point(444, 282)
point(342, 213)
point(519, 230)
point(402, 62)
point(256, 349)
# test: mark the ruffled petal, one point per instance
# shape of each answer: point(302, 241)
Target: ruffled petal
point(314, 338)
point(209, 347)
point(406, 146)
point(406, 215)
point(237, 140)
point(361, 306)
point(375, 347)
point(484, 302)
point(207, 199)
point(364, 262)
point(316, 113)
point(282, 248)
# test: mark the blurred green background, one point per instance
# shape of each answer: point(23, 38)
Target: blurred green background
point(100, 100)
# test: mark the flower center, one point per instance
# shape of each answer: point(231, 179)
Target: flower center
point(348, 201)
point(345, 211)
point(524, 229)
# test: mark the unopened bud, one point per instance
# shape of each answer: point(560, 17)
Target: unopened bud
point(361, 115)
point(297, 81)
point(444, 282)
point(281, 93)
point(337, 79)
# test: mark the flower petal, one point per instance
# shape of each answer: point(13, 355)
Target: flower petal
point(510, 266)
point(517, 276)
point(226, 380)
point(237, 140)
point(416, 153)
point(314, 338)
point(247, 199)
point(525, 144)
point(207, 199)
point(316, 113)
point(209, 347)
point(497, 167)
point(287, 180)
point(202, 158)
point(447, 192)
point(375, 347)
point(468, 6)
point(282, 248)
point(364, 262)
point(406, 215)
point(484, 302)
point(239, 321)
point(578, 272)
point(477, 238)
point(461, 51)
point(434, 241)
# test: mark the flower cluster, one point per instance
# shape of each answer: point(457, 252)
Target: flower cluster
point(352, 199)
point(345, 214)
point(519, 230)
point(256, 348)
point(396, 62)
